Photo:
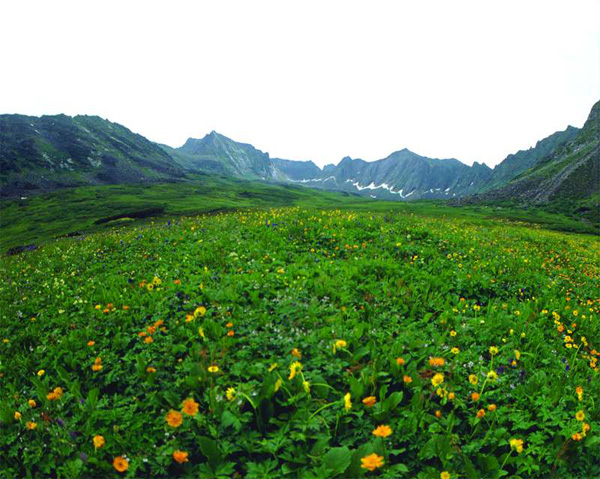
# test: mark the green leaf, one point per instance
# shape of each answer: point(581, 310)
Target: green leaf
point(210, 450)
point(337, 459)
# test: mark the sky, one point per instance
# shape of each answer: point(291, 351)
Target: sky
point(318, 80)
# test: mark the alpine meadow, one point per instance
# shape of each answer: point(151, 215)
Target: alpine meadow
point(213, 311)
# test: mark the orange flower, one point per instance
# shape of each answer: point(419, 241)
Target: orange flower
point(407, 379)
point(369, 401)
point(120, 464)
point(230, 333)
point(174, 418)
point(150, 370)
point(400, 361)
point(475, 397)
point(98, 441)
point(190, 407)
point(91, 343)
point(372, 462)
point(436, 362)
point(480, 413)
point(31, 425)
point(491, 407)
point(438, 413)
point(382, 431)
point(229, 325)
point(180, 456)
point(296, 353)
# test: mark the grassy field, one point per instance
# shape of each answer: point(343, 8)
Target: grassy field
point(404, 340)
point(38, 219)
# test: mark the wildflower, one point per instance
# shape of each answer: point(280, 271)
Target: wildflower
point(230, 394)
point(372, 462)
point(32, 403)
point(306, 386)
point(91, 343)
point(577, 437)
point(97, 366)
point(579, 391)
point(98, 441)
point(451, 396)
point(180, 456)
point(296, 353)
point(199, 311)
point(491, 407)
point(517, 354)
point(382, 431)
point(452, 333)
point(41, 372)
point(213, 369)
point(190, 407)
point(347, 402)
point(55, 394)
point(120, 464)
point(438, 414)
point(230, 333)
point(149, 286)
point(492, 376)
point(201, 333)
point(407, 379)
point(229, 325)
point(340, 343)
point(435, 362)
point(31, 425)
point(444, 475)
point(174, 418)
point(517, 445)
point(272, 367)
point(473, 379)
point(480, 413)
point(295, 368)
point(455, 350)
point(475, 397)
point(585, 428)
point(278, 384)
point(437, 379)
point(148, 340)
point(400, 361)
point(580, 415)
point(493, 350)
point(17, 416)
point(150, 370)
point(369, 401)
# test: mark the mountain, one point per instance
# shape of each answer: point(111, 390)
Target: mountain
point(218, 154)
point(296, 170)
point(49, 152)
point(515, 164)
point(570, 171)
point(402, 175)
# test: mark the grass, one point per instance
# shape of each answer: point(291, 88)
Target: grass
point(77, 210)
point(301, 343)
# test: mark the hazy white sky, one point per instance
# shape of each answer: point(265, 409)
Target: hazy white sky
point(473, 80)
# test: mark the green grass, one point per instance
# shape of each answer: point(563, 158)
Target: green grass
point(344, 293)
point(41, 218)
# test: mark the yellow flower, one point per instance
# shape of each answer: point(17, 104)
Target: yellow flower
point(492, 376)
point(453, 333)
point(278, 384)
point(32, 403)
point(150, 370)
point(31, 425)
point(180, 456)
point(98, 441)
point(435, 362)
point(517, 445)
point(437, 379)
point(156, 281)
point(369, 401)
point(230, 394)
point(201, 333)
point(120, 464)
point(445, 475)
point(41, 372)
point(579, 391)
point(372, 462)
point(174, 418)
point(517, 354)
point(407, 379)
point(272, 367)
point(295, 368)
point(306, 386)
point(455, 350)
point(213, 369)
point(347, 402)
point(493, 350)
point(340, 343)
point(382, 431)
point(580, 416)
point(200, 311)
point(190, 407)
point(17, 416)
